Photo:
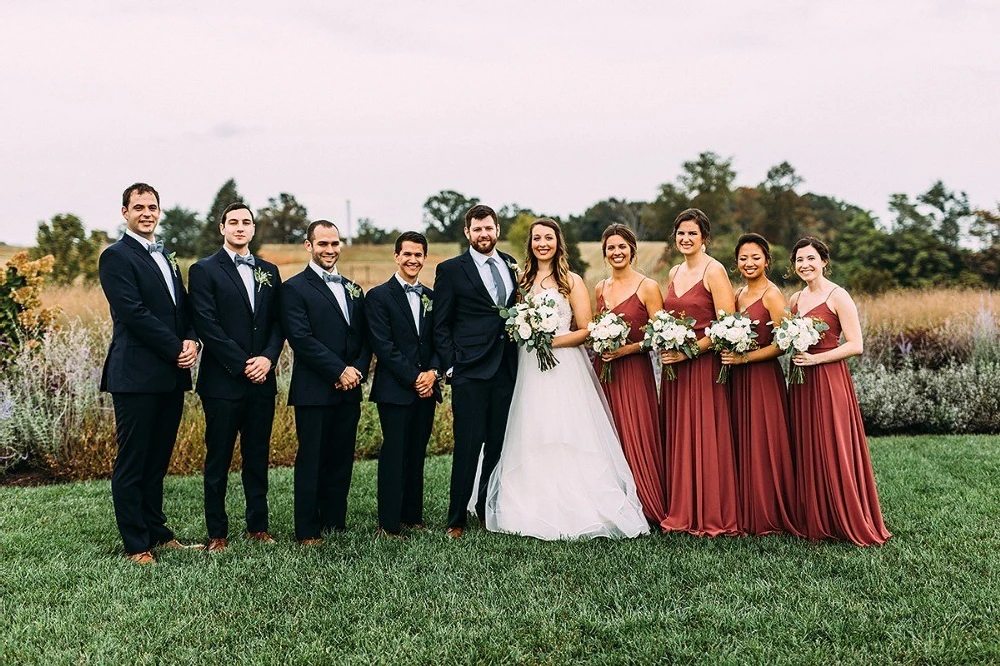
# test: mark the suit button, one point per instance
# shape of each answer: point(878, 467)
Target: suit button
point(255, 328)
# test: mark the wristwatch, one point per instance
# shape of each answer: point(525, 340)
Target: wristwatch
point(437, 374)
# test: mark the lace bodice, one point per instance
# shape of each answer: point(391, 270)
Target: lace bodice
point(562, 308)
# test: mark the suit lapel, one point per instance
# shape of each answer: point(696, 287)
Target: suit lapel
point(403, 302)
point(229, 268)
point(147, 258)
point(317, 282)
point(471, 269)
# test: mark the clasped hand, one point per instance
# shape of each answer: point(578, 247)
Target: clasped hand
point(611, 355)
point(257, 368)
point(729, 358)
point(425, 383)
point(349, 379)
point(188, 355)
point(805, 359)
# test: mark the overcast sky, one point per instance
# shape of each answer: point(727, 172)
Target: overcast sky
point(550, 105)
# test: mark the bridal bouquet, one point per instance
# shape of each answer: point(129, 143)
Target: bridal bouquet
point(797, 334)
point(608, 332)
point(665, 332)
point(732, 332)
point(532, 323)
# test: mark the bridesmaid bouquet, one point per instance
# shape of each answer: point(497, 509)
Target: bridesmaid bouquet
point(797, 334)
point(665, 332)
point(608, 332)
point(732, 332)
point(532, 323)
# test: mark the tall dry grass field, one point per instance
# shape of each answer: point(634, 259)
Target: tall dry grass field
point(925, 308)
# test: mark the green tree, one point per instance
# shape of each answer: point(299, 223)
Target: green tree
point(985, 227)
point(283, 220)
point(785, 213)
point(444, 216)
point(658, 216)
point(75, 253)
point(368, 234)
point(209, 240)
point(708, 183)
point(598, 217)
point(181, 230)
point(949, 210)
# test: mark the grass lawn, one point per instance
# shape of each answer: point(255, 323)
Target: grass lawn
point(929, 596)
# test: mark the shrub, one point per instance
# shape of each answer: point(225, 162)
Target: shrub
point(23, 322)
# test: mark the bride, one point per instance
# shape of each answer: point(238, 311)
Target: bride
point(562, 473)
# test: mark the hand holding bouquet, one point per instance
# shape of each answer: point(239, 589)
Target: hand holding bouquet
point(732, 332)
point(532, 323)
point(665, 332)
point(608, 332)
point(797, 334)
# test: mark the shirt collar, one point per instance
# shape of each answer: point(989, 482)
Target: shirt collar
point(481, 258)
point(142, 241)
point(232, 255)
point(319, 269)
point(403, 283)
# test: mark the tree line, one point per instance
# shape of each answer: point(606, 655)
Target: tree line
point(934, 238)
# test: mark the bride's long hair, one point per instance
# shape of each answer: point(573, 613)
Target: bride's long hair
point(561, 266)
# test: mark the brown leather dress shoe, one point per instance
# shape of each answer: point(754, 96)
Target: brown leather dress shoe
point(217, 545)
point(382, 534)
point(454, 532)
point(262, 537)
point(145, 557)
point(310, 542)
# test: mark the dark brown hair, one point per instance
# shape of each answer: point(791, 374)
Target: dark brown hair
point(623, 230)
point(698, 217)
point(478, 212)
point(236, 205)
point(138, 188)
point(311, 230)
point(808, 241)
point(413, 237)
point(756, 239)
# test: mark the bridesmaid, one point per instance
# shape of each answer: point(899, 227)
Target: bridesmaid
point(834, 472)
point(701, 464)
point(765, 472)
point(631, 393)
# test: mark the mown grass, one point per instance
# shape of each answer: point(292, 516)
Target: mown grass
point(928, 596)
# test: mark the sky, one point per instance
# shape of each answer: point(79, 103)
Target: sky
point(550, 105)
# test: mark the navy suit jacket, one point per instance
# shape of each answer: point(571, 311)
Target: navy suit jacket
point(230, 331)
point(148, 328)
point(468, 329)
point(401, 352)
point(323, 342)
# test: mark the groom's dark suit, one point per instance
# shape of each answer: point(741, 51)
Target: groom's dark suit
point(402, 352)
point(469, 336)
point(326, 418)
point(146, 386)
point(232, 332)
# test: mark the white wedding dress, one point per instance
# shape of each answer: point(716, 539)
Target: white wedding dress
point(562, 473)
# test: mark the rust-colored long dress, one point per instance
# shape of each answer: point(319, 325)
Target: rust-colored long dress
point(697, 429)
point(764, 467)
point(836, 485)
point(631, 393)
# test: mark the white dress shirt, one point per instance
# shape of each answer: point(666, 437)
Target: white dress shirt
point(336, 288)
point(412, 299)
point(246, 274)
point(487, 275)
point(161, 261)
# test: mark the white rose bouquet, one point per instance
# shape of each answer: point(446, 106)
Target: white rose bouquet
point(665, 332)
point(797, 334)
point(532, 323)
point(608, 332)
point(732, 332)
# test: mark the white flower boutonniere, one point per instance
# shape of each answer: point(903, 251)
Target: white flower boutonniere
point(172, 259)
point(512, 265)
point(427, 303)
point(353, 290)
point(262, 278)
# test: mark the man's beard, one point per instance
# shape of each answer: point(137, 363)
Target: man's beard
point(485, 250)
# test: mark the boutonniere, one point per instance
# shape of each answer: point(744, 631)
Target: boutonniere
point(353, 290)
point(515, 269)
point(427, 303)
point(172, 260)
point(261, 277)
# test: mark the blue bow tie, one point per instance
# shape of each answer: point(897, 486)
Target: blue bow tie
point(416, 289)
point(156, 246)
point(328, 277)
point(245, 261)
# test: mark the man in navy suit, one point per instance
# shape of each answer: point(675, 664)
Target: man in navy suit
point(323, 317)
point(481, 361)
point(404, 386)
point(234, 302)
point(147, 370)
